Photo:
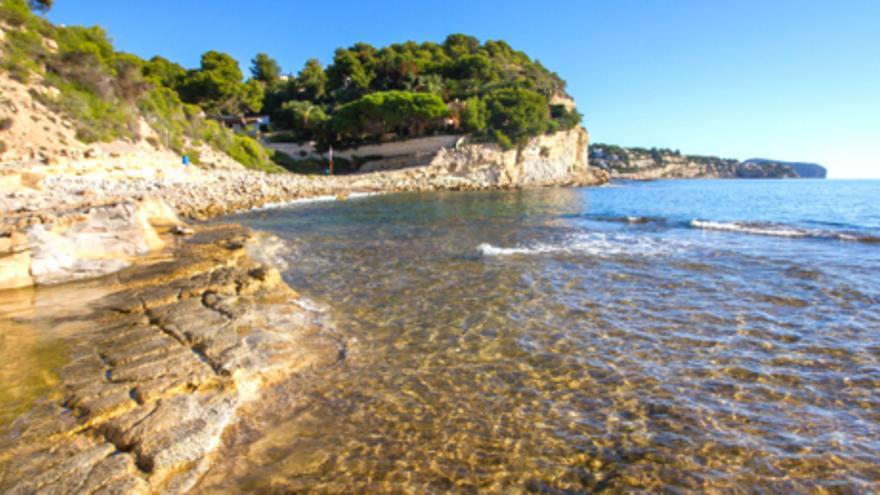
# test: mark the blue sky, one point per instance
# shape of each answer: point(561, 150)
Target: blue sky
point(792, 80)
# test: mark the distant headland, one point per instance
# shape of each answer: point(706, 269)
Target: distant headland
point(663, 163)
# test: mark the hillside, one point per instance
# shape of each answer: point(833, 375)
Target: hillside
point(67, 91)
point(643, 164)
point(80, 93)
point(84, 127)
point(487, 90)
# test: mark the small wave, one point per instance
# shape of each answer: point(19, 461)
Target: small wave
point(780, 230)
point(630, 219)
point(751, 228)
point(595, 244)
point(315, 199)
point(271, 250)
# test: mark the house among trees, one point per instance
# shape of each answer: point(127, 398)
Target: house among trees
point(250, 124)
point(452, 122)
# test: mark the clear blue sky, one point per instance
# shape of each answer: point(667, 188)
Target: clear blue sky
point(785, 79)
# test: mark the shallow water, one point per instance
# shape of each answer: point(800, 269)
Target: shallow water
point(582, 340)
point(37, 326)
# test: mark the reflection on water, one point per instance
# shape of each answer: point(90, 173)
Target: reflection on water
point(36, 328)
point(628, 356)
point(27, 364)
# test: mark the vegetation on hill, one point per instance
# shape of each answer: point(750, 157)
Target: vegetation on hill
point(409, 89)
point(104, 93)
point(366, 94)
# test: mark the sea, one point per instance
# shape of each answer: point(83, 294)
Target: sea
point(672, 336)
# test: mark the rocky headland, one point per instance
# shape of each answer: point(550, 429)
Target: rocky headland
point(648, 164)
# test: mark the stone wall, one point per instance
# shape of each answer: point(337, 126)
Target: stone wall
point(418, 146)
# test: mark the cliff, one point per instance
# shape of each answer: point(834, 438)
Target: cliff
point(548, 160)
point(645, 164)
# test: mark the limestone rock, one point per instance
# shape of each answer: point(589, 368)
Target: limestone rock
point(174, 356)
point(104, 241)
point(15, 270)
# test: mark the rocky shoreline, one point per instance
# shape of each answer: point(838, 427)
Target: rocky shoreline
point(88, 218)
point(167, 362)
point(197, 323)
point(38, 193)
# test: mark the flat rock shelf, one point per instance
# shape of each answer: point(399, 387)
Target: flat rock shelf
point(167, 362)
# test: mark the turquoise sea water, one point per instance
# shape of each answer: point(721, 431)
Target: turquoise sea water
point(685, 336)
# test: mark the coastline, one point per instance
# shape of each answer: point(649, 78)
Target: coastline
point(196, 321)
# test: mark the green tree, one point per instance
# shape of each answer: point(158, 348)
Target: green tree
point(474, 116)
point(279, 93)
point(478, 70)
point(223, 65)
point(515, 115)
point(458, 45)
point(265, 68)
point(251, 98)
point(303, 118)
point(164, 72)
point(566, 118)
point(217, 86)
point(402, 112)
point(346, 76)
point(312, 80)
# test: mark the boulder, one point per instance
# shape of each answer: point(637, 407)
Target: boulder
point(103, 240)
point(159, 215)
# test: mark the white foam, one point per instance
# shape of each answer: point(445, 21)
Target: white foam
point(752, 228)
point(594, 244)
point(487, 249)
point(271, 250)
point(315, 199)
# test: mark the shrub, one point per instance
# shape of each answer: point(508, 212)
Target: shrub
point(251, 154)
point(15, 12)
point(5, 123)
point(194, 156)
point(566, 119)
point(95, 118)
point(23, 54)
